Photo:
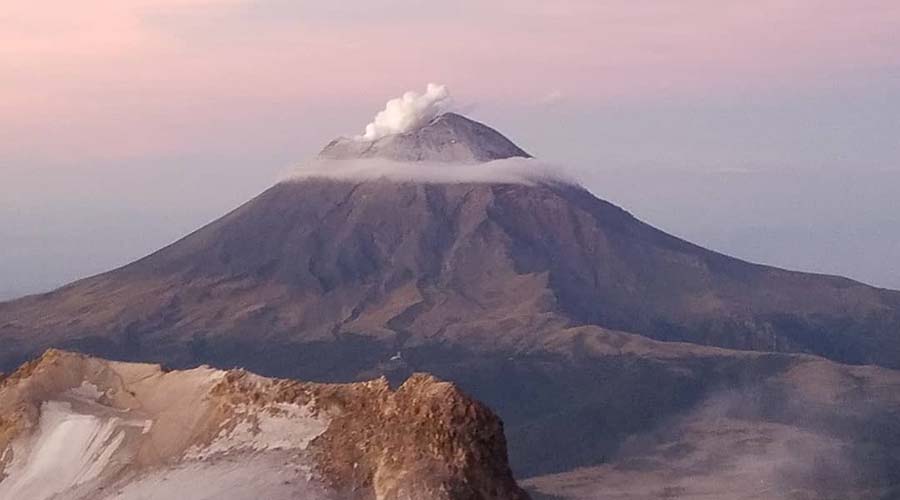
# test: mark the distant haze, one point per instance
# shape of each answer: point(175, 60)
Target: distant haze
point(766, 130)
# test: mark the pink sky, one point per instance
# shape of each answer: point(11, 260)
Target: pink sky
point(132, 77)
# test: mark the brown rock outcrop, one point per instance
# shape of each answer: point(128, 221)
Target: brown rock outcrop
point(426, 440)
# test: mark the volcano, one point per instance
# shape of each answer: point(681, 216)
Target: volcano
point(580, 324)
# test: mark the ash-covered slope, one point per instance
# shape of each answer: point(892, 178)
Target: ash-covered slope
point(448, 137)
point(329, 264)
point(74, 427)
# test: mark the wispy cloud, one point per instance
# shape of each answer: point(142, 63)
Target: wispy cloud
point(553, 97)
point(510, 170)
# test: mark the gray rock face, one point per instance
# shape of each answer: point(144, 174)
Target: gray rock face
point(447, 138)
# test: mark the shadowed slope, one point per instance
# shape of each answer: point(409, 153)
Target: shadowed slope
point(401, 264)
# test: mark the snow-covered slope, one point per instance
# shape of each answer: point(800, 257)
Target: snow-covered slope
point(446, 138)
point(80, 428)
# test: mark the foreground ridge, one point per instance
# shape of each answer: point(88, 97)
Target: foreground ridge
point(75, 427)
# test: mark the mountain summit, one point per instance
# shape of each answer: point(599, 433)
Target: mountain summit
point(449, 137)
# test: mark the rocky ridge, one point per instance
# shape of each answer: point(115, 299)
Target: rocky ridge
point(131, 430)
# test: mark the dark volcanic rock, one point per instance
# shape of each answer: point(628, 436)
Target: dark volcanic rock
point(496, 267)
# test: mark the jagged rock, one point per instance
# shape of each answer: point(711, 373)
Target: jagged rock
point(74, 427)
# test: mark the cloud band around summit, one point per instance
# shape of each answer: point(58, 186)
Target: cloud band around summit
point(527, 171)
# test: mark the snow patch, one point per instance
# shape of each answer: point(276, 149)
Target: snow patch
point(86, 391)
point(268, 476)
point(68, 449)
point(281, 426)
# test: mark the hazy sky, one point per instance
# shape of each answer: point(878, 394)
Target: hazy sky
point(766, 129)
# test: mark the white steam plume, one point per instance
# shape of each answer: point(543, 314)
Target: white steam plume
point(407, 112)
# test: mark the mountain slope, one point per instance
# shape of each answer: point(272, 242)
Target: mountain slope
point(402, 263)
point(816, 430)
point(535, 296)
point(73, 427)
